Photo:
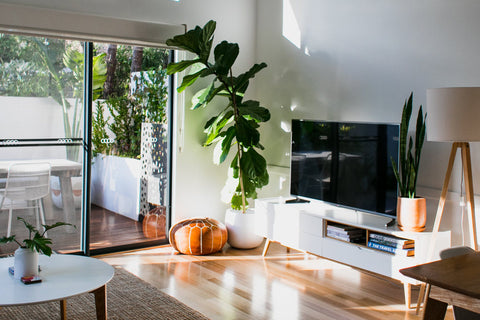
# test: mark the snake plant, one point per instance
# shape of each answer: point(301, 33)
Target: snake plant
point(409, 154)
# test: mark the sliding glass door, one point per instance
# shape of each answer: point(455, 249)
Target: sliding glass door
point(127, 117)
point(41, 107)
point(130, 167)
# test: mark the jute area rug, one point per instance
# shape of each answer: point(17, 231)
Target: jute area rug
point(128, 298)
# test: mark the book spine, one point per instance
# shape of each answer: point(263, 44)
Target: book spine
point(382, 237)
point(382, 247)
point(387, 243)
point(343, 235)
point(344, 231)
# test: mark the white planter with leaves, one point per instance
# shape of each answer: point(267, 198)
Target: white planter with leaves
point(25, 263)
point(241, 229)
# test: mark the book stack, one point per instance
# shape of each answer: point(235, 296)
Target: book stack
point(345, 233)
point(391, 244)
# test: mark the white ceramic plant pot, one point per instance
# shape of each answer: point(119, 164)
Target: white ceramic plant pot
point(25, 263)
point(241, 229)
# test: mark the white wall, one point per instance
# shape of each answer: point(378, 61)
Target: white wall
point(198, 181)
point(20, 116)
point(359, 60)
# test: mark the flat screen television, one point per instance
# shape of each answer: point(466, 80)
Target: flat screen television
point(346, 164)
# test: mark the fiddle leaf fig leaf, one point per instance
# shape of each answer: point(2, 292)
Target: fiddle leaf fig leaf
point(227, 143)
point(198, 40)
point(247, 134)
point(175, 67)
point(225, 55)
point(234, 166)
point(215, 125)
point(200, 98)
point(188, 80)
point(252, 110)
point(255, 168)
point(236, 202)
point(242, 79)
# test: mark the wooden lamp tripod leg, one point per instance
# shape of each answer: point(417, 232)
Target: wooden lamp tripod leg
point(467, 175)
point(438, 218)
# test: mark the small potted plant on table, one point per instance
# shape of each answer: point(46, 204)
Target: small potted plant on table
point(26, 256)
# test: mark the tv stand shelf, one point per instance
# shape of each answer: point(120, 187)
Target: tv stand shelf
point(365, 237)
point(304, 226)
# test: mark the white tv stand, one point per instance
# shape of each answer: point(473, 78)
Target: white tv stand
point(302, 226)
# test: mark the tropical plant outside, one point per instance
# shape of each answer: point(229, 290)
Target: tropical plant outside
point(142, 99)
point(236, 125)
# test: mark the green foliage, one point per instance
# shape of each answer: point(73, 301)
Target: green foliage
point(99, 130)
point(22, 78)
point(236, 125)
point(152, 94)
point(126, 125)
point(36, 240)
point(409, 158)
point(147, 104)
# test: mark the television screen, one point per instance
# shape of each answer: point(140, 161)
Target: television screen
point(345, 163)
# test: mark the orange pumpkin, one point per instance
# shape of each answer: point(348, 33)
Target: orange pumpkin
point(198, 236)
point(154, 223)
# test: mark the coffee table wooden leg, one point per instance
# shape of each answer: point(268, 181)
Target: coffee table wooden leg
point(63, 309)
point(101, 302)
point(433, 309)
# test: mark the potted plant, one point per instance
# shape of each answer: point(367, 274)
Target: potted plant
point(26, 256)
point(235, 127)
point(411, 209)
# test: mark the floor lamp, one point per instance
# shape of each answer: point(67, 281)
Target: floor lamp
point(453, 116)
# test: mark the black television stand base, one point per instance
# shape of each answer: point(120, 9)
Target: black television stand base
point(297, 200)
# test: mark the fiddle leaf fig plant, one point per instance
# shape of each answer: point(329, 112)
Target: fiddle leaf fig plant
point(409, 158)
point(36, 240)
point(235, 127)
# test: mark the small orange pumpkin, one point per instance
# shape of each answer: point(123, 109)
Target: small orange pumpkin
point(198, 236)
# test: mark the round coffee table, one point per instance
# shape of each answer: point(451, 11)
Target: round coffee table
point(63, 276)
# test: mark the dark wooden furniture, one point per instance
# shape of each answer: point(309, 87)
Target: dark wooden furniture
point(453, 281)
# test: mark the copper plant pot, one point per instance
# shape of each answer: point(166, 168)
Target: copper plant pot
point(411, 214)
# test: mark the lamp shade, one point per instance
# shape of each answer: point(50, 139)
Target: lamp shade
point(453, 114)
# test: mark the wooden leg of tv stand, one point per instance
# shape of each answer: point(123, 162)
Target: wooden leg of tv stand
point(267, 245)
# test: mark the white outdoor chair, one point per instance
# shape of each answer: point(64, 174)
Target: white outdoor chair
point(25, 187)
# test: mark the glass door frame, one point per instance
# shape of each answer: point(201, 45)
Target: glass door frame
point(87, 150)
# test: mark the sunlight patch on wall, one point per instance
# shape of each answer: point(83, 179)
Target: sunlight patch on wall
point(290, 28)
point(285, 126)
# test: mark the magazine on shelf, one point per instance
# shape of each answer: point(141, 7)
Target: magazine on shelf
point(345, 237)
point(391, 240)
point(344, 229)
point(396, 251)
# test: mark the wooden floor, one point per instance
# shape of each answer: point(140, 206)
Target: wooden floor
point(241, 284)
